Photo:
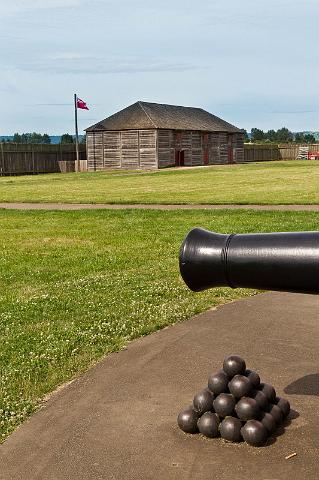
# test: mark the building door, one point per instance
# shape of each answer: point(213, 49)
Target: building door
point(179, 158)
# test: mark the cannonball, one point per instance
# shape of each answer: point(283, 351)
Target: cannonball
point(234, 365)
point(218, 382)
point(203, 402)
point(240, 386)
point(269, 391)
point(254, 433)
point(208, 425)
point(224, 404)
point(247, 409)
point(230, 429)
point(260, 398)
point(209, 391)
point(187, 420)
point(268, 421)
point(284, 405)
point(276, 412)
point(253, 377)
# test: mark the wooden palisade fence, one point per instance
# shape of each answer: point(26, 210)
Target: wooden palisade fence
point(21, 159)
point(264, 153)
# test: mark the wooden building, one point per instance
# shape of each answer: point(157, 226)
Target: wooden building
point(150, 136)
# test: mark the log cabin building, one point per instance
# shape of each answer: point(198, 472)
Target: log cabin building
point(150, 136)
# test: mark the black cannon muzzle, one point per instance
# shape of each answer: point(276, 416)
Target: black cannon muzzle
point(267, 261)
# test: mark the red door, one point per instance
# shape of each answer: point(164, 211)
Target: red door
point(179, 158)
point(176, 158)
point(206, 157)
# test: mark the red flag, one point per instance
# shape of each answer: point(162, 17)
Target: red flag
point(81, 104)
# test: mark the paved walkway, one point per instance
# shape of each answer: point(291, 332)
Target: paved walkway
point(118, 421)
point(100, 206)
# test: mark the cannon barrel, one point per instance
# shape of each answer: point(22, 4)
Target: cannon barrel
point(267, 261)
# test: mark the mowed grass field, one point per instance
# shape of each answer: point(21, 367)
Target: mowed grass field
point(75, 286)
point(295, 182)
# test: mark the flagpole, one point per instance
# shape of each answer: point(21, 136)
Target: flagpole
point(76, 133)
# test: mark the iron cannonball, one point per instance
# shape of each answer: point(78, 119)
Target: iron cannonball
point(260, 398)
point(253, 377)
point(187, 420)
point(234, 365)
point(203, 402)
point(254, 433)
point(269, 391)
point(247, 409)
point(269, 422)
point(208, 424)
point(230, 429)
point(218, 382)
point(276, 412)
point(224, 404)
point(240, 386)
point(206, 389)
point(284, 405)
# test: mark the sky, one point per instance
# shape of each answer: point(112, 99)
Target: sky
point(252, 62)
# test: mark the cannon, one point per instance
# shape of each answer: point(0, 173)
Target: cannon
point(287, 262)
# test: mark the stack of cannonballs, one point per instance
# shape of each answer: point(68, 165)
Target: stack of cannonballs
point(235, 406)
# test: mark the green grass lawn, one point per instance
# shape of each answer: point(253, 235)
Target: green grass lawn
point(295, 182)
point(77, 285)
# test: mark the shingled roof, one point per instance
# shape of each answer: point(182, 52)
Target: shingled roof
point(144, 115)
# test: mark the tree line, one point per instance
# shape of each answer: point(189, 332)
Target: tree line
point(38, 138)
point(282, 135)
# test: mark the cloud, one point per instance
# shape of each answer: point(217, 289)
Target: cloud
point(293, 112)
point(77, 64)
point(50, 105)
point(19, 6)
point(249, 62)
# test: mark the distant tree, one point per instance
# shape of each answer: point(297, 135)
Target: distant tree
point(299, 138)
point(246, 137)
point(309, 138)
point(31, 138)
point(46, 139)
point(25, 138)
point(257, 135)
point(271, 135)
point(66, 138)
point(17, 138)
point(83, 139)
point(34, 138)
point(284, 135)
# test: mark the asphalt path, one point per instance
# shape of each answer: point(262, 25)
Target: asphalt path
point(118, 421)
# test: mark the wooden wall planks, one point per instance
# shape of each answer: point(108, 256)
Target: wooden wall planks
point(22, 159)
point(149, 149)
point(166, 148)
point(129, 149)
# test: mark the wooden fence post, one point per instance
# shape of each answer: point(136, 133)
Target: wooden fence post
point(32, 153)
point(2, 159)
